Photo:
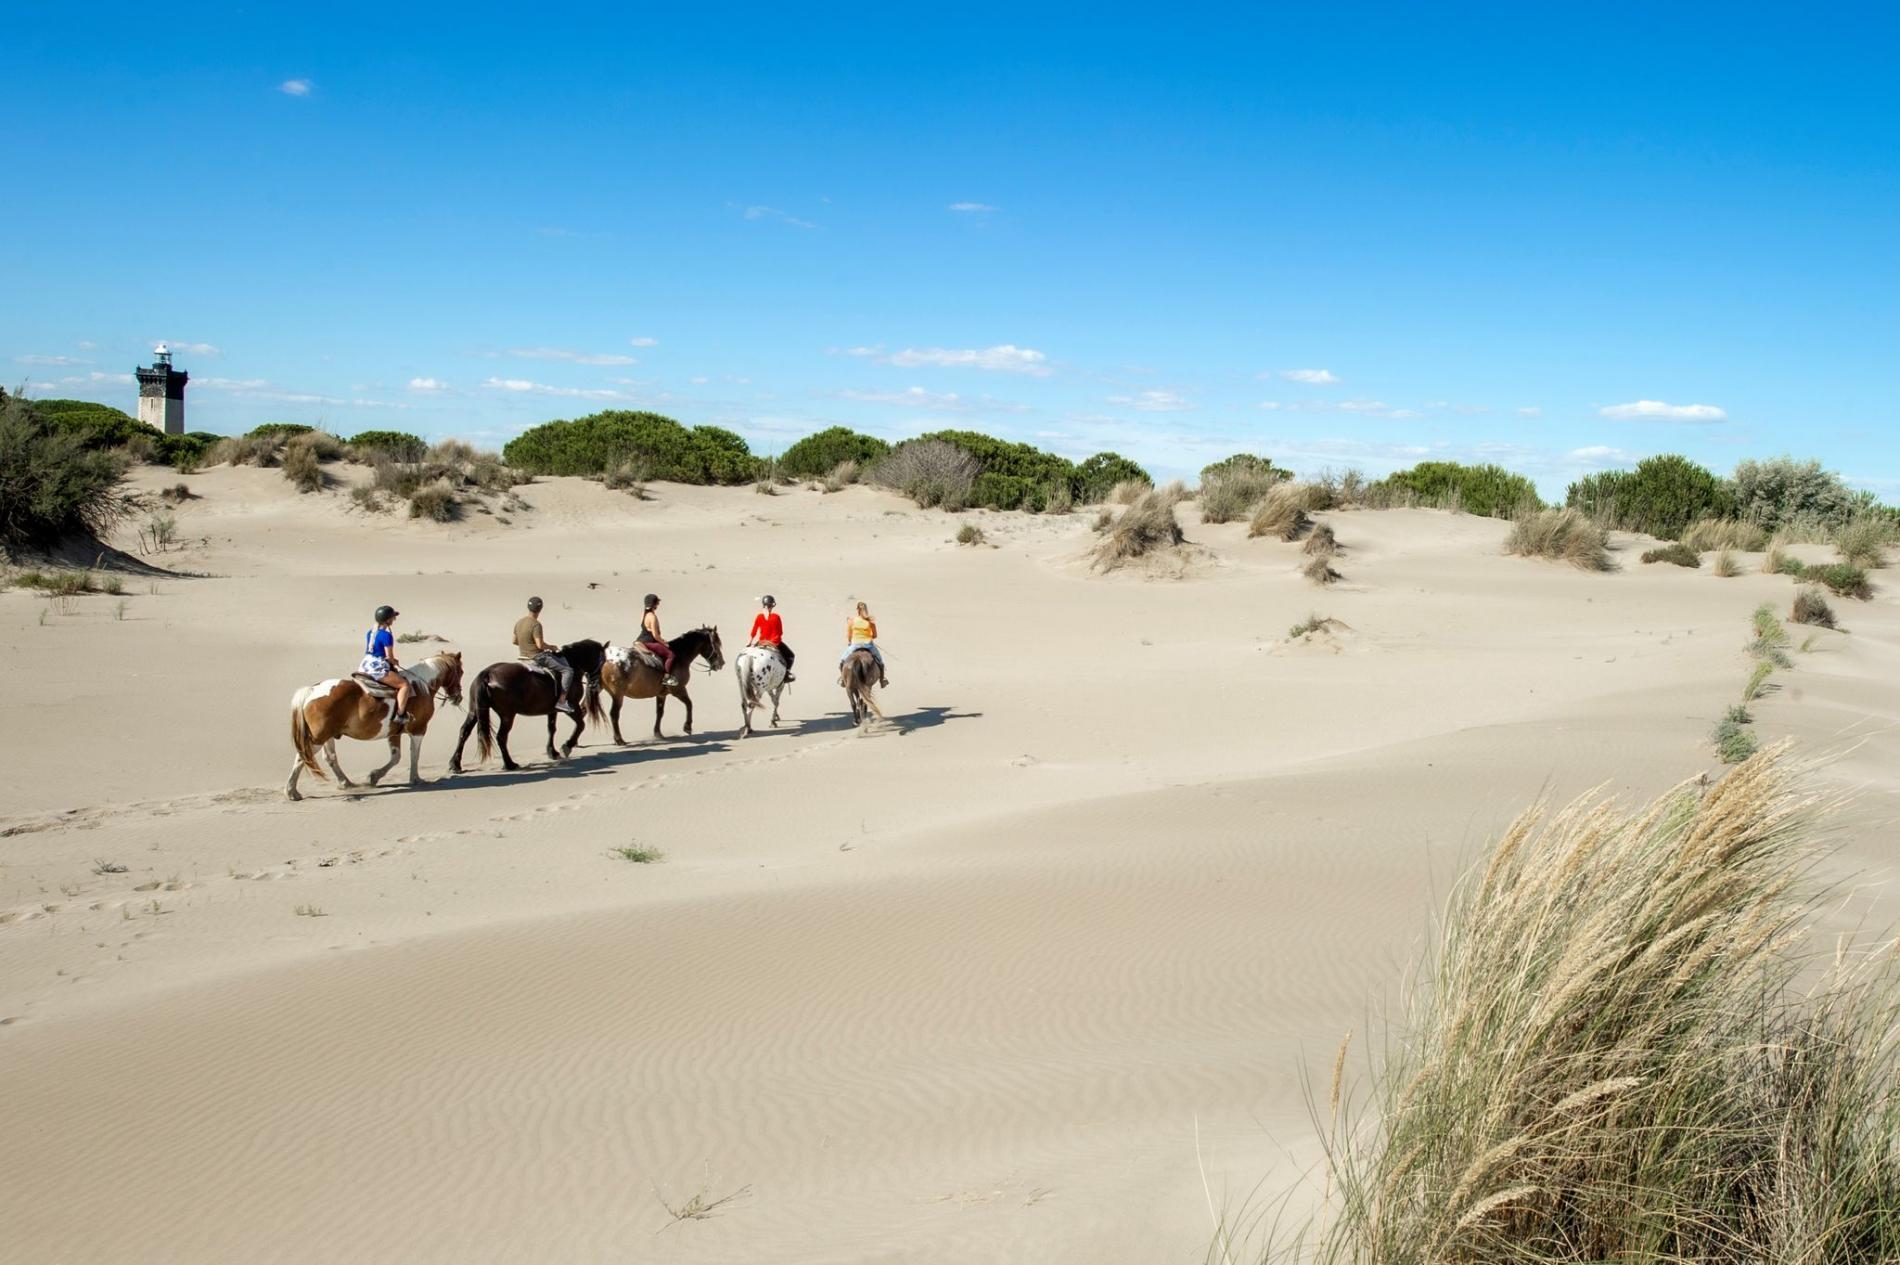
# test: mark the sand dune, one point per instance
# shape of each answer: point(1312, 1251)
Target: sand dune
point(991, 982)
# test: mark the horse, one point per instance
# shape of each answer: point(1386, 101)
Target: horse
point(861, 675)
point(512, 689)
point(342, 708)
point(761, 672)
point(626, 676)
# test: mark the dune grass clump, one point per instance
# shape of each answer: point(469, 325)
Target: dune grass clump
point(971, 534)
point(1864, 541)
point(436, 502)
point(1757, 679)
point(1146, 526)
point(301, 466)
point(1128, 491)
point(1725, 533)
point(244, 450)
point(1104, 519)
point(1319, 570)
point(1676, 553)
point(626, 476)
point(1233, 495)
point(1311, 624)
point(1321, 542)
point(1060, 500)
point(1725, 565)
point(1625, 1049)
point(1843, 579)
point(1561, 535)
point(1733, 743)
point(1811, 608)
point(1281, 514)
point(842, 476)
point(1771, 637)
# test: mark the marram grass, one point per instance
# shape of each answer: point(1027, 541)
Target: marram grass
point(1626, 1047)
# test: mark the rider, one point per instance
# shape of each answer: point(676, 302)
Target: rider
point(379, 662)
point(769, 630)
point(860, 633)
point(650, 638)
point(533, 648)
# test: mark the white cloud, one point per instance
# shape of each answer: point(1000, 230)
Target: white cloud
point(699, 380)
point(1657, 411)
point(526, 387)
point(1154, 401)
point(295, 87)
point(191, 349)
point(49, 360)
point(1003, 358)
point(1312, 377)
point(571, 356)
point(971, 208)
point(643, 342)
point(427, 384)
point(1530, 410)
point(85, 344)
point(122, 379)
point(231, 384)
point(1357, 407)
point(773, 213)
point(910, 397)
point(1601, 454)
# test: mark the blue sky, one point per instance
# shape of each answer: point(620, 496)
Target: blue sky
point(1345, 234)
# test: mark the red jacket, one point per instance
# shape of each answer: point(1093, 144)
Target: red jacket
point(768, 628)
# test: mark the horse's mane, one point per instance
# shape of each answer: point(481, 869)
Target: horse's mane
point(704, 630)
point(587, 650)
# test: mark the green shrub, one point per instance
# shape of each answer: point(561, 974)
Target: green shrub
point(1778, 492)
point(1661, 496)
point(817, 455)
point(1244, 465)
point(1011, 476)
point(1096, 476)
point(278, 431)
point(1788, 564)
point(1487, 490)
point(396, 445)
point(1564, 535)
point(52, 485)
point(1843, 579)
point(601, 441)
point(971, 534)
point(1678, 553)
point(1811, 608)
point(1734, 743)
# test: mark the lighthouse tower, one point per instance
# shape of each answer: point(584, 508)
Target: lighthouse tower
point(162, 393)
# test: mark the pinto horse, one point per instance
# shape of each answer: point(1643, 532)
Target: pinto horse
point(342, 708)
point(626, 676)
point(761, 676)
point(511, 689)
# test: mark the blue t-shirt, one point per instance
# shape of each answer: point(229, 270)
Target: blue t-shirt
point(379, 641)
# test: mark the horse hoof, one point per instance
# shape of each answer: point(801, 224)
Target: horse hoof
point(294, 795)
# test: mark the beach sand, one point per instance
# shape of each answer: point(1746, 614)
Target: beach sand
point(1039, 970)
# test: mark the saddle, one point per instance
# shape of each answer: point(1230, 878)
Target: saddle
point(376, 689)
point(534, 666)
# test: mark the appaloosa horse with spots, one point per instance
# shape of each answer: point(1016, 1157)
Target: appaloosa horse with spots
point(512, 689)
point(627, 675)
point(345, 708)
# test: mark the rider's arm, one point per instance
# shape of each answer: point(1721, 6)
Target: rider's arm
point(873, 624)
point(539, 644)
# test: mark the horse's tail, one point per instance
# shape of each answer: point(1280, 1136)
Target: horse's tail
point(478, 710)
point(300, 735)
point(590, 697)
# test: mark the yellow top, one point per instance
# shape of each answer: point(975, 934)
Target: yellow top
point(862, 630)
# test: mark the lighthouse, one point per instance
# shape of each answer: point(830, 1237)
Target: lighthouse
point(162, 393)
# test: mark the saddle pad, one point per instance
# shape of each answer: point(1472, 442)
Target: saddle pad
point(627, 656)
point(373, 687)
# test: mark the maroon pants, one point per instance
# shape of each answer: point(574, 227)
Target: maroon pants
point(663, 651)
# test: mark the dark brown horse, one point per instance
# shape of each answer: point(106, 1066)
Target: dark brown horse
point(627, 676)
point(512, 689)
point(861, 675)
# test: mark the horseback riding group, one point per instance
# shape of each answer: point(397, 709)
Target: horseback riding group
point(383, 700)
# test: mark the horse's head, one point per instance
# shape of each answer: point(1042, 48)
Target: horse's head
point(585, 656)
point(451, 682)
point(715, 655)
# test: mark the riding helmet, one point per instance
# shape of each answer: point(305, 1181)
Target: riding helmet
point(534, 603)
point(386, 613)
point(768, 601)
point(653, 600)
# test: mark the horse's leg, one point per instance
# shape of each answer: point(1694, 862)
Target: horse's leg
point(687, 699)
point(501, 740)
point(659, 710)
point(775, 694)
point(395, 754)
point(614, 712)
point(552, 753)
point(290, 787)
point(329, 758)
point(415, 755)
point(580, 723)
point(468, 727)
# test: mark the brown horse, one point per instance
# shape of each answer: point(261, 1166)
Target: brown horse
point(861, 675)
point(342, 708)
point(626, 676)
point(512, 689)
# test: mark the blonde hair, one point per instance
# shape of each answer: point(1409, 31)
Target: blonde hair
point(864, 610)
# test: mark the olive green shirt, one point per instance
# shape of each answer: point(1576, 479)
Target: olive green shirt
point(527, 633)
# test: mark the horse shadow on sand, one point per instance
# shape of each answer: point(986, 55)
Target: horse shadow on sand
point(585, 762)
point(841, 722)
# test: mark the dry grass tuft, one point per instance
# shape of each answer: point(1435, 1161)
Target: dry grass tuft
point(1725, 565)
point(842, 476)
point(1725, 533)
point(1561, 535)
point(243, 450)
point(1864, 541)
point(971, 534)
point(1233, 496)
point(1128, 491)
point(1319, 569)
point(1148, 525)
point(1281, 514)
point(1322, 542)
point(301, 465)
point(1626, 1048)
point(1677, 554)
point(1811, 608)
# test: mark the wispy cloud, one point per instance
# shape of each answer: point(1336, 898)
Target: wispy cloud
point(1312, 377)
point(1658, 411)
point(1530, 410)
point(773, 213)
point(190, 349)
point(523, 386)
point(643, 342)
point(1357, 407)
point(1003, 358)
point(49, 360)
point(570, 355)
point(971, 208)
point(1601, 455)
point(1154, 401)
point(428, 386)
point(295, 87)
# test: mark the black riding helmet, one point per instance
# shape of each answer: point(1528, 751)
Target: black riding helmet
point(534, 603)
point(386, 613)
point(768, 601)
point(653, 600)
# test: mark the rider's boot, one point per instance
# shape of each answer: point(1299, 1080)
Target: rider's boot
point(567, 708)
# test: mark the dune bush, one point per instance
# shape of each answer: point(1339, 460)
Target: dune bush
point(435, 501)
point(1098, 475)
point(1811, 608)
point(1561, 535)
point(243, 450)
point(670, 451)
point(1339, 489)
point(626, 476)
point(1733, 743)
point(929, 471)
point(841, 476)
point(1234, 494)
point(1487, 490)
point(370, 500)
point(1841, 578)
point(818, 455)
point(277, 432)
point(52, 486)
point(1059, 500)
point(1864, 540)
point(1782, 493)
point(1625, 1048)
point(1281, 514)
point(1662, 496)
point(971, 534)
point(1146, 526)
point(301, 466)
point(1675, 553)
point(1725, 533)
point(396, 445)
